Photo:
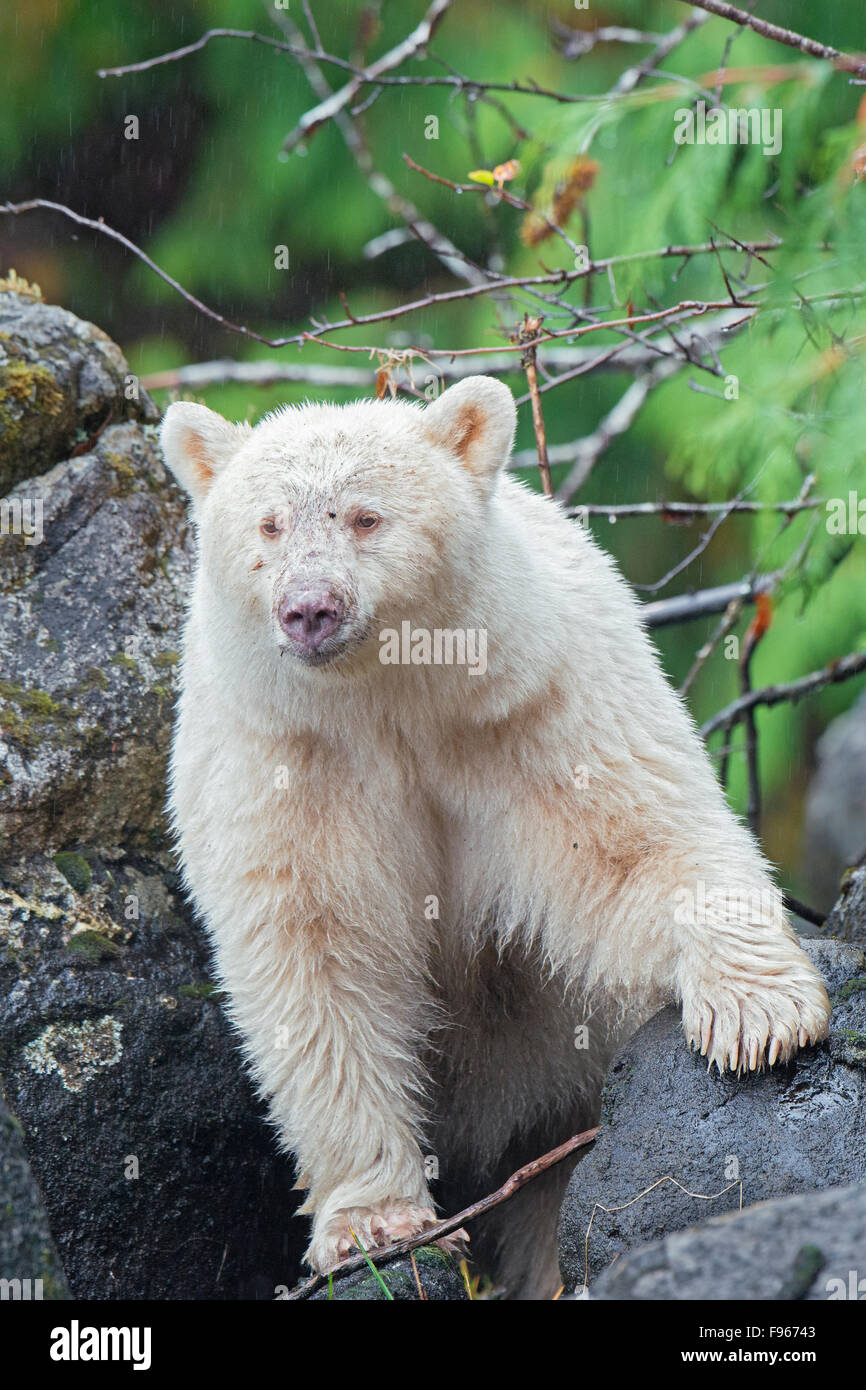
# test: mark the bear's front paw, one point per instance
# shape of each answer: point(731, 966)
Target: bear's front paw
point(745, 1025)
point(372, 1228)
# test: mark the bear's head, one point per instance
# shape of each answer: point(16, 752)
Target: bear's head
point(326, 524)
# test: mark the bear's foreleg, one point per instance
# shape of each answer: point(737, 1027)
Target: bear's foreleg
point(333, 1013)
point(720, 943)
point(697, 921)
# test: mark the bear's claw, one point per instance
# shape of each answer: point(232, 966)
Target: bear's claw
point(745, 1030)
point(351, 1230)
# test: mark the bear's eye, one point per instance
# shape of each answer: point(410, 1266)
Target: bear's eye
point(367, 521)
point(269, 527)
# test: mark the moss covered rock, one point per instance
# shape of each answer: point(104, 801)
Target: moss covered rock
point(61, 379)
point(91, 604)
point(433, 1277)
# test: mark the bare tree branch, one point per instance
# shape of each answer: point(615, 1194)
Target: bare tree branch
point(198, 376)
point(687, 608)
point(841, 670)
point(844, 61)
point(363, 77)
point(338, 101)
point(528, 331)
point(102, 227)
point(177, 53)
point(576, 43)
point(686, 308)
point(683, 512)
point(570, 361)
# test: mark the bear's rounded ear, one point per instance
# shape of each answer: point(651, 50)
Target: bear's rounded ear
point(475, 419)
point(197, 444)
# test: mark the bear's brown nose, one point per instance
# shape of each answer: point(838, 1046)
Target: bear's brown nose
point(308, 618)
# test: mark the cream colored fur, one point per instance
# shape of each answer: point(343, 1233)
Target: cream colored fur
point(560, 808)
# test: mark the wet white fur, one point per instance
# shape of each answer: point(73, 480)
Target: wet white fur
point(559, 808)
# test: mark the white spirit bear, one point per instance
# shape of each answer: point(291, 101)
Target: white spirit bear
point(440, 891)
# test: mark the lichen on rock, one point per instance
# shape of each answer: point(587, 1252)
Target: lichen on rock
point(76, 1051)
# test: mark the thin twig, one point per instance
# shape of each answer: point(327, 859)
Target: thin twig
point(538, 423)
point(576, 43)
point(623, 356)
point(530, 329)
point(726, 53)
point(633, 76)
point(453, 1223)
point(177, 53)
point(588, 451)
point(693, 555)
point(103, 228)
point(756, 630)
point(311, 23)
point(422, 1297)
point(407, 48)
point(729, 620)
point(506, 196)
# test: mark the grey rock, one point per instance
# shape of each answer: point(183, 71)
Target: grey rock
point(847, 920)
point(90, 623)
point(158, 1172)
point(28, 1259)
point(60, 381)
point(790, 1130)
point(438, 1275)
point(811, 1247)
point(835, 823)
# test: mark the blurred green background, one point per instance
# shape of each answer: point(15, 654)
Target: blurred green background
point(204, 190)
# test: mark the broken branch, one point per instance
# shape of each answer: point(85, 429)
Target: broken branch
point(453, 1223)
